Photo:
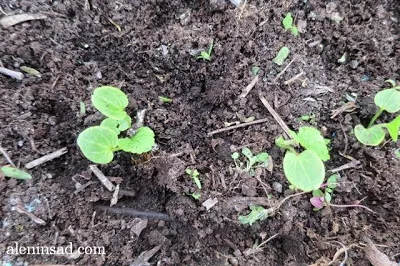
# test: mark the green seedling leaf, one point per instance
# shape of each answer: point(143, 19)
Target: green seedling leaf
point(285, 144)
point(143, 141)
point(196, 195)
point(235, 155)
point(125, 123)
point(247, 152)
point(328, 197)
point(194, 174)
point(281, 56)
point(255, 70)
point(13, 172)
point(261, 158)
point(287, 21)
point(257, 213)
point(110, 124)
point(165, 99)
point(372, 136)
point(317, 193)
point(98, 144)
point(110, 101)
point(388, 100)
point(294, 31)
point(305, 171)
point(311, 139)
point(31, 71)
point(332, 181)
point(393, 128)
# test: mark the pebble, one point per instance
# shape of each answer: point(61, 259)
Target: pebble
point(354, 64)
point(277, 187)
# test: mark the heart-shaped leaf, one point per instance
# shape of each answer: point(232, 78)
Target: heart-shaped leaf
point(304, 171)
point(141, 142)
point(98, 144)
point(110, 101)
point(372, 136)
point(388, 100)
point(393, 128)
point(311, 139)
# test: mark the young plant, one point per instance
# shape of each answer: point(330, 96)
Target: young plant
point(257, 213)
point(98, 143)
point(323, 198)
point(16, 173)
point(252, 161)
point(206, 55)
point(287, 23)
point(387, 100)
point(281, 56)
point(305, 170)
point(194, 174)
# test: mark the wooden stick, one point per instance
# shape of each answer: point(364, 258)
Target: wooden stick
point(5, 154)
point(286, 67)
point(46, 158)
point(103, 179)
point(275, 115)
point(11, 73)
point(237, 126)
point(249, 87)
point(348, 165)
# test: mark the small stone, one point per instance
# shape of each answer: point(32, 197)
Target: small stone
point(354, 64)
point(99, 75)
point(233, 261)
point(179, 212)
point(277, 187)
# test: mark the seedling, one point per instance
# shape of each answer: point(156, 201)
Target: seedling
point(281, 56)
point(305, 170)
point(206, 55)
point(252, 161)
point(194, 174)
point(320, 198)
point(165, 99)
point(255, 70)
point(288, 24)
point(16, 173)
point(310, 118)
point(387, 100)
point(196, 195)
point(257, 213)
point(98, 143)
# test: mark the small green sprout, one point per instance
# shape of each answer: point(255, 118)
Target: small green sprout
point(252, 161)
point(255, 70)
point(13, 172)
point(206, 55)
point(310, 118)
point(98, 143)
point(387, 100)
point(194, 174)
point(196, 195)
point(288, 24)
point(165, 99)
point(305, 170)
point(281, 56)
point(257, 213)
point(321, 199)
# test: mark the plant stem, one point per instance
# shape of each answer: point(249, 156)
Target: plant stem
point(378, 114)
point(352, 206)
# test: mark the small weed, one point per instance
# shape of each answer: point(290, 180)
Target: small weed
point(305, 170)
point(206, 55)
point(288, 24)
point(321, 199)
point(98, 143)
point(13, 172)
point(308, 118)
point(257, 213)
point(194, 174)
point(255, 70)
point(281, 56)
point(251, 162)
point(165, 99)
point(387, 100)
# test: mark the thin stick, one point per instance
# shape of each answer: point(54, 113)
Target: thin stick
point(237, 126)
point(249, 87)
point(5, 154)
point(103, 179)
point(269, 239)
point(284, 70)
point(352, 206)
point(275, 115)
point(348, 165)
point(11, 73)
point(290, 81)
point(46, 158)
point(132, 212)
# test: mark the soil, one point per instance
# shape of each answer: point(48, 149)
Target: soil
point(78, 48)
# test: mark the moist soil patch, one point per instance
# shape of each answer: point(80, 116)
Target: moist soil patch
point(149, 49)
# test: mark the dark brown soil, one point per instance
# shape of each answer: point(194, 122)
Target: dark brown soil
point(77, 48)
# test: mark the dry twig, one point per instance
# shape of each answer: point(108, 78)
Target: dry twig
point(19, 18)
point(284, 70)
point(275, 115)
point(103, 179)
point(237, 126)
point(5, 154)
point(46, 158)
point(348, 165)
point(249, 87)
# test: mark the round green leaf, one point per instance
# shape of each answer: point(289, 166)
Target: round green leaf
point(110, 101)
point(13, 172)
point(141, 142)
point(98, 144)
point(311, 139)
point(372, 136)
point(393, 128)
point(305, 171)
point(388, 100)
point(111, 124)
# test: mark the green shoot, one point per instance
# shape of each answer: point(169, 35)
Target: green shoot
point(305, 170)
point(251, 162)
point(194, 174)
point(82, 109)
point(206, 55)
point(310, 118)
point(196, 195)
point(13, 172)
point(320, 198)
point(165, 99)
point(288, 24)
point(386, 100)
point(255, 70)
point(257, 213)
point(98, 143)
point(281, 56)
